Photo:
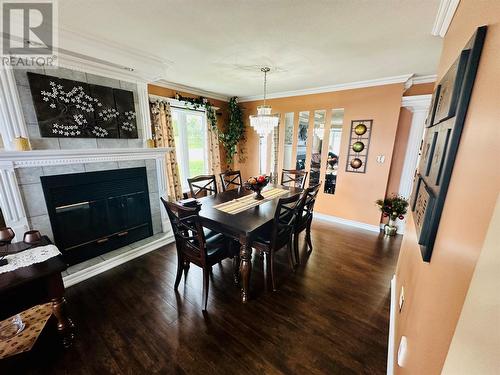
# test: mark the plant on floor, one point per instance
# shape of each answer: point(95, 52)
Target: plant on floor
point(393, 207)
point(234, 132)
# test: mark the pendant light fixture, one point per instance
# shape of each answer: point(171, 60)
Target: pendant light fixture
point(264, 122)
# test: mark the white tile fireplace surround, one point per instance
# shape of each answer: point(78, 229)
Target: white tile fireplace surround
point(23, 204)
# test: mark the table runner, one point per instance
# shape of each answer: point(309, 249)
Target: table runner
point(34, 319)
point(244, 203)
point(28, 257)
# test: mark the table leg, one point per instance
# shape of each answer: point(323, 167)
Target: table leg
point(245, 267)
point(64, 324)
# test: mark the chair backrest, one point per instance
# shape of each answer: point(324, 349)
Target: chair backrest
point(306, 206)
point(293, 177)
point(284, 221)
point(201, 186)
point(188, 230)
point(230, 179)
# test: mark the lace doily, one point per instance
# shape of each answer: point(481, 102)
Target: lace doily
point(28, 257)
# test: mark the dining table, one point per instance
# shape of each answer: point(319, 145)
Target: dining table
point(243, 226)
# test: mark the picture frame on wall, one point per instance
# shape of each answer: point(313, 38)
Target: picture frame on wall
point(441, 141)
point(72, 109)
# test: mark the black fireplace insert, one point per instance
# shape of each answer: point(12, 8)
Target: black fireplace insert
point(96, 212)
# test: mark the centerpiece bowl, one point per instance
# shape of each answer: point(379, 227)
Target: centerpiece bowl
point(256, 184)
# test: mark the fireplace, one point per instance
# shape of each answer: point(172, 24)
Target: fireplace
point(96, 212)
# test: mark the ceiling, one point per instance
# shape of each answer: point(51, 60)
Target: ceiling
point(220, 45)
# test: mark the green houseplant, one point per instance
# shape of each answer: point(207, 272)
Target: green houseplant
point(393, 207)
point(234, 132)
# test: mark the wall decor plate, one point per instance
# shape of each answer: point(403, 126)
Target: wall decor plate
point(441, 141)
point(72, 109)
point(359, 141)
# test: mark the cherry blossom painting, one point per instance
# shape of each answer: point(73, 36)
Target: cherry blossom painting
point(68, 109)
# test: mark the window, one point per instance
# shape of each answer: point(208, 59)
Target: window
point(190, 133)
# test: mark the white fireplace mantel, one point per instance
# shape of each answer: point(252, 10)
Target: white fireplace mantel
point(11, 201)
point(38, 158)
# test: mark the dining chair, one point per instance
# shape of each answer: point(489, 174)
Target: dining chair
point(201, 186)
point(293, 177)
point(279, 235)
point(193, 247)
point(304, 218)
point(231, 179)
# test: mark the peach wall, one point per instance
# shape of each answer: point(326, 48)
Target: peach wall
point(355, 193)
point(222, 117)
point(399, 151)
point(435, 291)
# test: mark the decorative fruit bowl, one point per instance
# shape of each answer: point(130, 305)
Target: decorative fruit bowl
point(256, 184)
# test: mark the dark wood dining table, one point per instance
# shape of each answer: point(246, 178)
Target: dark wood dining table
point(243, 226)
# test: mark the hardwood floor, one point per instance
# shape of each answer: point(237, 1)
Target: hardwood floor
point(330, 317)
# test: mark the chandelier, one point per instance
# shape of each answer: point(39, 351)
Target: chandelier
point(264, 122)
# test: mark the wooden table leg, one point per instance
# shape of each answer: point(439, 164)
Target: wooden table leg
point(245, 267)
point(65, 326)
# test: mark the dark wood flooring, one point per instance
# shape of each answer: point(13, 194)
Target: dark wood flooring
point(330, 317)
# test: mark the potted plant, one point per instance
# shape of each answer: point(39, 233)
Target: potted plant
point(393, 207)
point(256, 184)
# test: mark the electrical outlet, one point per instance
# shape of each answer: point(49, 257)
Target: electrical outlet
point(401, 298)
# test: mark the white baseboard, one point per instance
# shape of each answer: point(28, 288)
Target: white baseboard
point(352, 223)
point(105, 265)
point(392, 318)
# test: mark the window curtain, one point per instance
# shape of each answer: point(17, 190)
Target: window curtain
point(163, 133)
point(214, 166)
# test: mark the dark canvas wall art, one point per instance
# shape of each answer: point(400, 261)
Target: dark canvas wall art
point(73, 109)
point(441, 141)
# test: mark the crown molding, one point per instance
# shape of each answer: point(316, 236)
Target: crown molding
point(190, 90)
point(424, 79)
point(415, 80)
point(338, 87)
point(86, 51)
point(444, 16)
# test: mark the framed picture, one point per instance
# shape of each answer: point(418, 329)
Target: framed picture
point(449, 89)
point(73, 109)
point(359, 142)
point(441, 141)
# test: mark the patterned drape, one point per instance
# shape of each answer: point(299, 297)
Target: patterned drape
point(163, 133)
point(214, 166)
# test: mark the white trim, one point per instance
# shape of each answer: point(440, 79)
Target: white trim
point(352, 223)
point(392, 329)
point(446, 11)
point(338, 87)
point(424, 79)
point(190, 90)
point(419, 105)
point(105, 265)
point(416, 102)
point(12, 123)
point(144, 112)
point(37, 158)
